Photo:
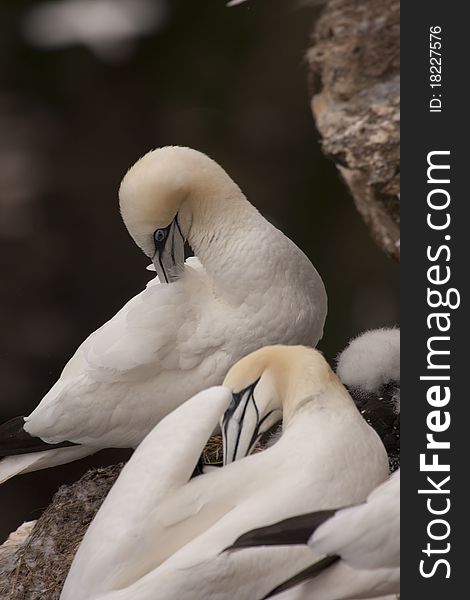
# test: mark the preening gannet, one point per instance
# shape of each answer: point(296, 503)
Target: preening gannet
point(360, 546)
point(160, 536)
point(249, 286)
point(370, 368)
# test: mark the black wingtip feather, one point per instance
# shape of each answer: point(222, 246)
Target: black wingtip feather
point(292, 531)
point(305, 575)
point(14, 440)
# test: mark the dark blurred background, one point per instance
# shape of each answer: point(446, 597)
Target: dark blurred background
point(88, 86)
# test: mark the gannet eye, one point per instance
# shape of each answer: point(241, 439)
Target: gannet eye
point(160, 235)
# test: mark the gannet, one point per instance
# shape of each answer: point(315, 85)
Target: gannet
point(359, 546)
point(370, 368)
point(160, 536)
point(249, 286)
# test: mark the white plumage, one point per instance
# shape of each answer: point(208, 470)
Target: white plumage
point(366, 536)
point(158, 536)
point(367, 540)
point(371, 360)
point(249, 286)
point(370, 368)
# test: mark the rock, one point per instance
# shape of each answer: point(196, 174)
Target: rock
point(354, 73)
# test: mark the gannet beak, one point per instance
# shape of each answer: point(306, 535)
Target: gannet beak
point(243, 424)
point(168, 259)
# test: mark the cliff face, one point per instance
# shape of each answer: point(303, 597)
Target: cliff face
point(355, 84)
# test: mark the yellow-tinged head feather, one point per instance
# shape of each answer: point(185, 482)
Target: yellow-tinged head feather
point(164, 182)
point(294, 372)
point(272, 384)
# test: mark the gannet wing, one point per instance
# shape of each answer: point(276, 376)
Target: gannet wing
point(140, 340)
point(366, 536)
point(338, 581)
point(305, 575)
point(292, 531)
point(149, 334)
point(96, 402)
point(166, 458)
point(200, 569)
point(162, 463)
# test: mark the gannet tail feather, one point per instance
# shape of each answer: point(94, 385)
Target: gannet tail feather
point(34, 461)
point(305, 575)
point(295, 530)
point(15, 440)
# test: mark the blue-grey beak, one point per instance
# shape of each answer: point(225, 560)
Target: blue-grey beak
point(243, 424)
point(168, 259)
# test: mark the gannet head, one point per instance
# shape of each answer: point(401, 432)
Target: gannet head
point(268, 386)
point(154, 198)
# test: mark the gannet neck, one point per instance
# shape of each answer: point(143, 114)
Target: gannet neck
point(303, 377)
point(238, 248)
point(304, 400)
point(227, 233)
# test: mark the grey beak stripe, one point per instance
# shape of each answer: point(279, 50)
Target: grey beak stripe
point(236, 399)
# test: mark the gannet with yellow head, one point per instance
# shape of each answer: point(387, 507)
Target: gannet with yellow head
point(248, 286)
point(172, 530)
point(282, 380)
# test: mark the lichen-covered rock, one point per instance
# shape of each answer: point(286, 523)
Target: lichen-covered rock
point(37, 569)
point(354, 65)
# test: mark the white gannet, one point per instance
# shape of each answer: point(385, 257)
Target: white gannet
point(370, 368)
point(160, 536)
point(359, 546)
point(252, 287)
